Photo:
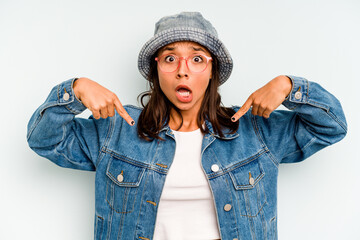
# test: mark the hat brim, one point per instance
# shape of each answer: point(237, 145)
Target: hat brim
point(211, 42)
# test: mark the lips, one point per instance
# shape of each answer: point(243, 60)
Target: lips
point(183, 93)
point(183, 88)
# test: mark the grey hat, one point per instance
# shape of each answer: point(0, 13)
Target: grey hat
point(186, 26)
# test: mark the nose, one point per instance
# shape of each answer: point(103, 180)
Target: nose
point(183, 70)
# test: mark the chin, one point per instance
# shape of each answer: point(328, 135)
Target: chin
point(184, 106)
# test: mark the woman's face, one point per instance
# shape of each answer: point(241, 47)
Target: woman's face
point(185, 89)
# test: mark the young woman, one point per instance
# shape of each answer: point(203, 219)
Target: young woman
point(184, 166)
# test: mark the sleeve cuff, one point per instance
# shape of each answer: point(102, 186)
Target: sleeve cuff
point(298, 93)
point(66, 96)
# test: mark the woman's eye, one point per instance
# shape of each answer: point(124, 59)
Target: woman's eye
point(169, 58)
point(197, 59)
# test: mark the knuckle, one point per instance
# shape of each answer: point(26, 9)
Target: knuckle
point(121, 111)
point(108, 101)
point(111, 113)
point(257, 102)
point(113, 95)
point(96, 108)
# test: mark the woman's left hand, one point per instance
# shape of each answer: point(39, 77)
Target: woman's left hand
point(266, 99)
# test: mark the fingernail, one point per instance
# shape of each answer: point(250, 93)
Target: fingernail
point(132, 123)
point(233, 119)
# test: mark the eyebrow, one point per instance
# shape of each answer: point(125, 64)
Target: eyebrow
point(198, 49)
point(167, 48)
point(173, 48)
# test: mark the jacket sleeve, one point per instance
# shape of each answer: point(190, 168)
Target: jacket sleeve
point(54, 133)
point(316, 120)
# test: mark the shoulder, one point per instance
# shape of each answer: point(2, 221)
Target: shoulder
point(132, 110)
point(258, 122)
point(248, 114)
point(235, 107)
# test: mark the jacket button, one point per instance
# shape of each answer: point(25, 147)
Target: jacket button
point(298, 95)
point(251, 181)
point(227, 207)
point(120, 177)
point(66, 96)
point(214, 167)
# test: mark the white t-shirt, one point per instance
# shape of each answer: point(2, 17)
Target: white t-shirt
point(186, 209)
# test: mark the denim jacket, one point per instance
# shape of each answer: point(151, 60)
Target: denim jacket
point(130, 172)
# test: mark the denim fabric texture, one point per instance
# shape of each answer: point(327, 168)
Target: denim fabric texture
point(130, 172)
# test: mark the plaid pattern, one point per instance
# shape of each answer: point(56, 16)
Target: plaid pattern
point(211, 42)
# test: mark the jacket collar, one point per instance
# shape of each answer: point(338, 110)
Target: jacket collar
point(226, 133)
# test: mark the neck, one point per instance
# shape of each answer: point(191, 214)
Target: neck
point(189, 120)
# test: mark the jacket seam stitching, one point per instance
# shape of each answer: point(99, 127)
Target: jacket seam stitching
point(71, 110)
point(301, 149)
point(328, 110)
point(156, 152)
point(258, 134)
point(106, 142)
point(68, 159)
point(133, 162)
point(142, 197)
point(40, 114)
point(234, 214)
point(133, 107)
point(33, 126)
point(333, 116)
point(237, 165)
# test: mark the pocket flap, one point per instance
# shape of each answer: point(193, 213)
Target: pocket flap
point(241, 176)
point(131, 174)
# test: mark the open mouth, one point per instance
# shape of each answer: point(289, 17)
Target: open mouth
point(183, 93)
point(183, 90)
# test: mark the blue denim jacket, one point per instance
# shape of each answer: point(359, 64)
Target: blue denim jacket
point(130, 172)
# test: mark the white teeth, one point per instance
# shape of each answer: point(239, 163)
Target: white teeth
point(184, 93)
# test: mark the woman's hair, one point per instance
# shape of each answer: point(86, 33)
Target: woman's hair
point(156, 112)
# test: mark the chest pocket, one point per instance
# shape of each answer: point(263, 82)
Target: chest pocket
point(123, 182)
point(248, 184)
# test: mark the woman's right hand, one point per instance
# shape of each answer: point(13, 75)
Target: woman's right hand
point(99, 100)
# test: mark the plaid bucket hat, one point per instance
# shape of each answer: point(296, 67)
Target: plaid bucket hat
point(186, 26)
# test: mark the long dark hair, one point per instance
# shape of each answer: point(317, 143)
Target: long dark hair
point(156, 112)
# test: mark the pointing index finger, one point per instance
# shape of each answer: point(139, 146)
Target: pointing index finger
point(244, 108)
point(122, 112)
